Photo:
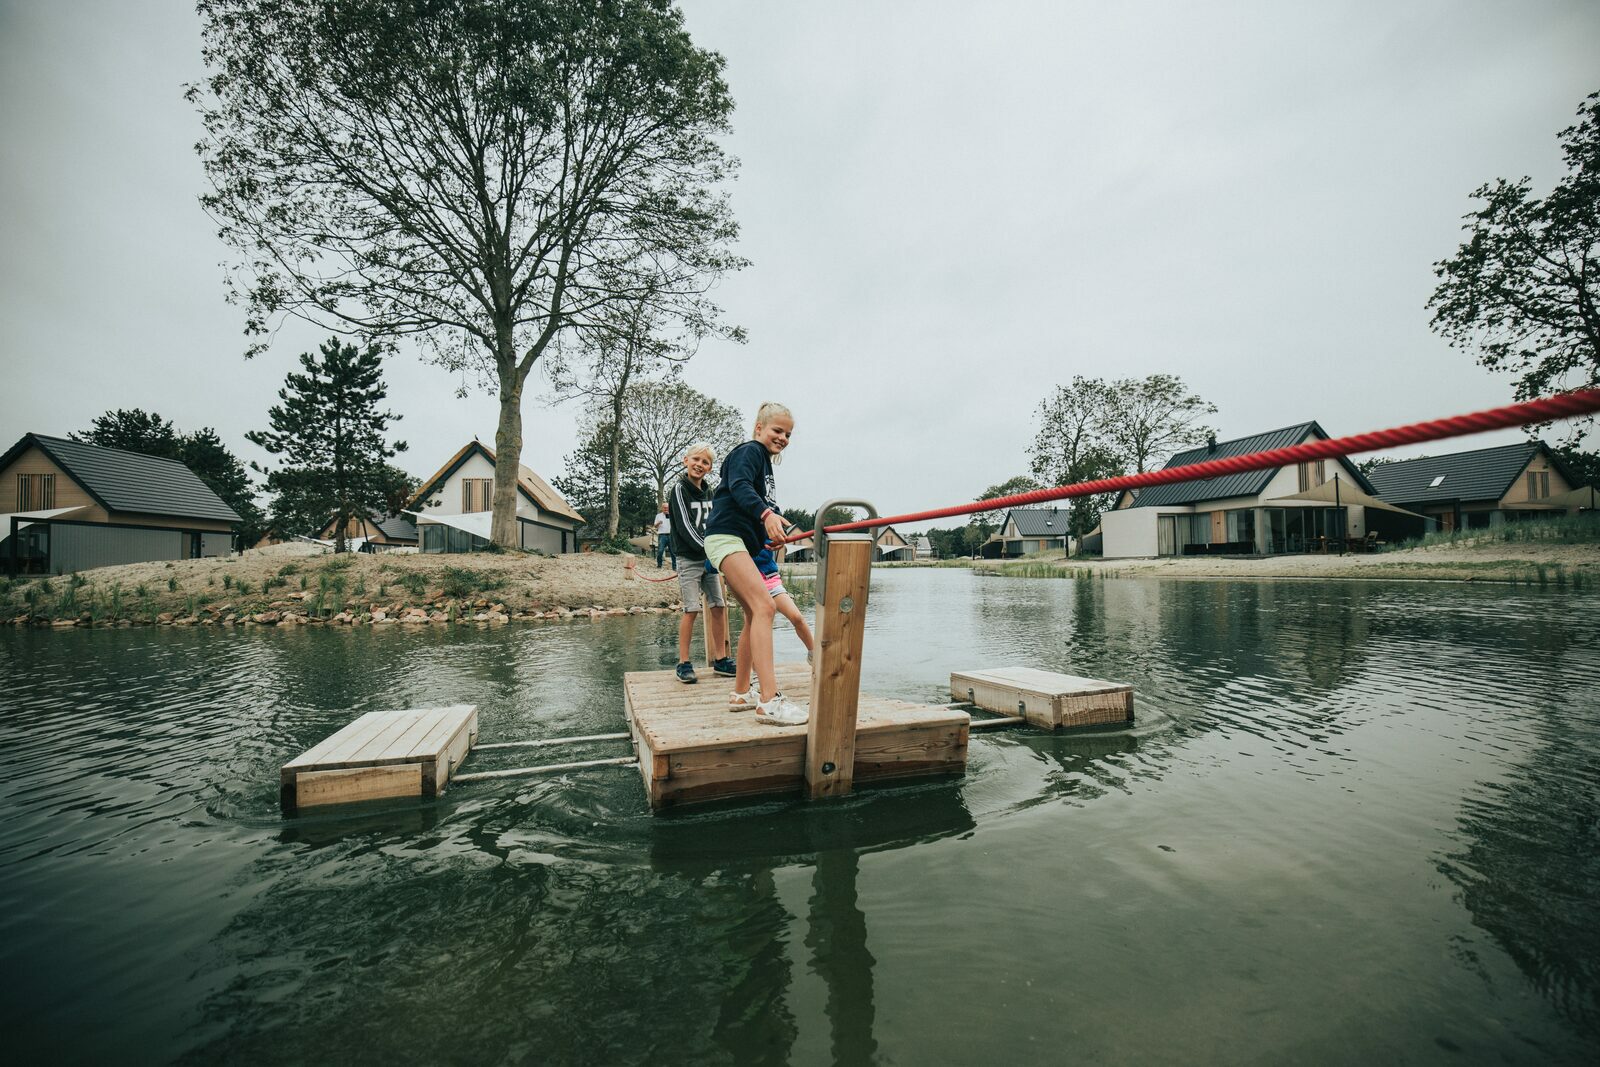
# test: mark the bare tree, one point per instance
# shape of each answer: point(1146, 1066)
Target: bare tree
point(480, 174)
point(1151, 418)
point(616, 357)
point(665, 418)
point(1074, 444)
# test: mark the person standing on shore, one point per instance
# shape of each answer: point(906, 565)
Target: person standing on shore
point(744, 517)
point(664, 537)
point(688, 506)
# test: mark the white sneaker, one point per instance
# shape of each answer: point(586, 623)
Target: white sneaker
point(781, 711)
point(738, 701)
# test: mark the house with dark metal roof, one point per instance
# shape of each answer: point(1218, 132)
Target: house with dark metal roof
point(1480, 488)
point(1263, 512)
point(453, 507)
point(379, 531)
point(1025, 531)
point(68, 506)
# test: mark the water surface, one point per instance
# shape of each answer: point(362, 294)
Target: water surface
point(1355, 821)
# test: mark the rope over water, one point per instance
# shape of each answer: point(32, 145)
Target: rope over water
point(1562, 406)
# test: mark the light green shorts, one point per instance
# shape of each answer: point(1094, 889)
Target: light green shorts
point(720, 546)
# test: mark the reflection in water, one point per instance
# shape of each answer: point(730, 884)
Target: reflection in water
point(1530, 864)
point(837, 939)
point(1265, 845)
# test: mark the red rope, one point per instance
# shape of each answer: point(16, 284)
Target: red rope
point(1562, 406)
point(668, 578)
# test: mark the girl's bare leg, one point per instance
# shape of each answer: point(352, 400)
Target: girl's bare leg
point(755, 643)
point(791, 611)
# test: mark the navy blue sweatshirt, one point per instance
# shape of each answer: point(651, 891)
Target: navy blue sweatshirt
point(747, 491)
point(691, 505)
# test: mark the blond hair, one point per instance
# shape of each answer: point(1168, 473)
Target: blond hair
point(697, 448)
point(768, 411)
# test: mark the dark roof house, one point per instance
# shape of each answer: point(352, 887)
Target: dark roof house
point(125, 482)
point(1249, 483)
point(1467, 488)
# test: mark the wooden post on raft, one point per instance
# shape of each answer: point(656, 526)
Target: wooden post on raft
point(844, 570)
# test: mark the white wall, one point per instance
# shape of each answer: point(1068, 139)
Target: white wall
point(446, 500)
point(1131, 532)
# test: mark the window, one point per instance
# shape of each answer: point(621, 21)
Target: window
point(1437, 482)
point(36, 492)
point(1538, 485)
point(475, 493)
point(1312, 474)
point(1241, 526)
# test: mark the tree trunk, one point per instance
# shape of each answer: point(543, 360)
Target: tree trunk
point(507, 463)
point(614, 468)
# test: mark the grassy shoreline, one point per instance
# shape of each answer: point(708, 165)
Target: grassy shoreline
point(298, 586)
point(289, 588)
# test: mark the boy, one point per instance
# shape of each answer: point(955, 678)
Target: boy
point(688, 505)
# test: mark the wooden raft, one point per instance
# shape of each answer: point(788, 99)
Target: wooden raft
point(692, 749)
point(383, 754)
point(1046, 699)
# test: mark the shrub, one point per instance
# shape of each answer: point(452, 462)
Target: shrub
point(243, 587)
point(288, 569)
point(414, 583)
point(227, 581)
point(342, 561)
point(172, 584)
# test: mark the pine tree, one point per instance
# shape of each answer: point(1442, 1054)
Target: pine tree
point(331, 434)
point(146, 432)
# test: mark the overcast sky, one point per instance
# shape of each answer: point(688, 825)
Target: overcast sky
point(949, 209)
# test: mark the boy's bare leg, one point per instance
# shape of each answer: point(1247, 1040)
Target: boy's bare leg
point(716, 633)
point(685, 634)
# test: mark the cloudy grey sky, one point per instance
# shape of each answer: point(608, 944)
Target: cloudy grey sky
point(950, 207)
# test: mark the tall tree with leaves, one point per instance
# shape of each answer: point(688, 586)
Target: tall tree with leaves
point(136, 430)
point(483, 175)
point(1523, 290)
point(1075, 442)
point(1151, 418)
point(663, 418)
point(982, 525)
point(330, 431)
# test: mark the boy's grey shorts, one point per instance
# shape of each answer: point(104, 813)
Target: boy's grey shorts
point(693, 580)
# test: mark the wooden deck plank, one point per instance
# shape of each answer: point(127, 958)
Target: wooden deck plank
point(377, 749)
point(435, 740)
point(314, 788)
point(692, 749)
point(1046, 699)
point(411, 752)
point(340, 740)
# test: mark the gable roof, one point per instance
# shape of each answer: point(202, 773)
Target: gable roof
point(1249, 483)
point(532, 486)
point(1039, 522)
point(396, 527)
point(1481, 474)
point(129, 481)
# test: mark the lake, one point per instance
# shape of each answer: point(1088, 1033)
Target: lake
point(1355, 821)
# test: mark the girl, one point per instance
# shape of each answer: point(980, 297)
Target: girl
point(744, 517)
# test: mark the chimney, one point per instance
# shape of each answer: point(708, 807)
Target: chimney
point(1211, 442)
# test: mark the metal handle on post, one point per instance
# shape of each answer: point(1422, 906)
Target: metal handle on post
point(819, 540)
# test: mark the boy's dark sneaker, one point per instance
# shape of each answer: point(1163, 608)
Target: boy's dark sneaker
point(725, 666)
point(685, 673)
